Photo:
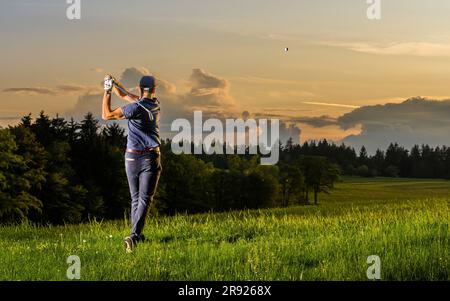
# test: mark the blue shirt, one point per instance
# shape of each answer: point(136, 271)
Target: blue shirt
point(143, 124)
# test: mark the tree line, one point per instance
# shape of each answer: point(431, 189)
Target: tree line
point(54, 170)
point(421, 161)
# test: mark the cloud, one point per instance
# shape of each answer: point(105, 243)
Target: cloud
point(88, 103)
point(209, 92)
point(421, 49)
point(205, 91)
point(414, 121)
point(98, 70)
point(414, 48)
point(415, 112)
point(265, 80)
point(131, 76)
point(30, 91)
point(317, 122)
point(6, 121)
point(9, 117)
point(61, 90)
point(200, 79)
point(290, 93)
point(339, 105)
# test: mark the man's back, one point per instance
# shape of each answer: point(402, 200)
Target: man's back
point(143, 124)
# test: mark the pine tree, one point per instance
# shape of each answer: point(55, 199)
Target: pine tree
point(17, 179)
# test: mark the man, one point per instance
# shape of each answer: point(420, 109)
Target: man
point(142, 156)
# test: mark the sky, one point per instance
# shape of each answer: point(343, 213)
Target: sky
point(339, 79)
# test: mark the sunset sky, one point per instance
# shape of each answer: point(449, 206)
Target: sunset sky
point(338, 60)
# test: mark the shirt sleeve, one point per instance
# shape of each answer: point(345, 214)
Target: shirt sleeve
point(130, 111)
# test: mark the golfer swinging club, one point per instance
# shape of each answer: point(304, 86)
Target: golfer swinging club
point(142, 156)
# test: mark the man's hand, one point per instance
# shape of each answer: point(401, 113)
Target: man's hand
point(120, 90)
point(108, 83)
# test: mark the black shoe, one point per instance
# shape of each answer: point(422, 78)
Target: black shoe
point(141, 238)
point(129, 244)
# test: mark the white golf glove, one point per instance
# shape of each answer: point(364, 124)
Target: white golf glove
point(108, 83)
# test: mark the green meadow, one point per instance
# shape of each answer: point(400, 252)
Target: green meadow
point(404, 222)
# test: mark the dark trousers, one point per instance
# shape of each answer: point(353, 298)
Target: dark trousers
point(143, 171)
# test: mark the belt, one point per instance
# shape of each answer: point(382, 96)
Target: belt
point(144, 151)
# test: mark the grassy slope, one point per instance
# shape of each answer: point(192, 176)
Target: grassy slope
point(405, 222)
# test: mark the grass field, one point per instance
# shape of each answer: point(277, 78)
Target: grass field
point(404, 222)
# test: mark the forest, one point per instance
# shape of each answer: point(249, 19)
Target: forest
point(55, 171)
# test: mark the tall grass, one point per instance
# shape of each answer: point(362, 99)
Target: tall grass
point(405, 223)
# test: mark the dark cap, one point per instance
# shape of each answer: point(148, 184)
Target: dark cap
point(147, 82)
